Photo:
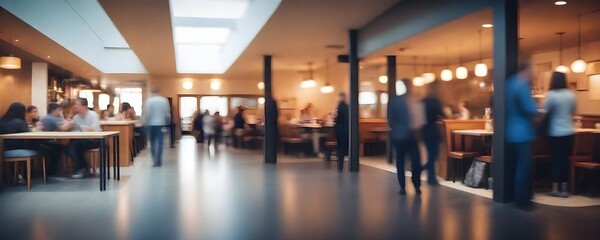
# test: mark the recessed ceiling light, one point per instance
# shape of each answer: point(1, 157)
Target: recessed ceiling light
point(201, 35)
point(487, 25)
point(560, 3)
point(16, 40)
point(47, 56)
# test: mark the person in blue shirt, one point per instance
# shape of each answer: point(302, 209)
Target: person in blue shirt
point(53, 122)
point(560, 107)
point(520, 132)
point(157, 113)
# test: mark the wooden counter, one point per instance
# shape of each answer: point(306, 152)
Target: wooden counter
point(126, 128)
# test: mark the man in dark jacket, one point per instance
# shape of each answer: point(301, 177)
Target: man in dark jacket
point(341, 130)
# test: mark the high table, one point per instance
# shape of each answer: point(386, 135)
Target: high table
point(126, 130)
point(102, 136)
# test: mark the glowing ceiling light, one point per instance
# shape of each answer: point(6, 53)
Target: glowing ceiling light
point(261, 85)
point(446, 75)
point(487, 25)
point(418, 81)
point(187, 85)
point(562, 69)
point(201, 34)
point(428, 77)
point(10, 62)
point(215, 85)
point(327, 89)
point(261, 100)
point(462, 72)
point(209, 9)
point(578, 66)
point(560, 3)
point(481, 70)
point(308, 83)
point(383, 79)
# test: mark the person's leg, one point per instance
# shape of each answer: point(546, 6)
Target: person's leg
point(555, 150)
point(433, 148)
point(341, 151)
point(401, 148)
point(566, 147)
point(415, 162)
point(153, 144)
point(159, 144)
point(523, 181)
point(73, 153)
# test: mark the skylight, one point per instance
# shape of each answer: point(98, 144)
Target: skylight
point(209, 35)
point(201, 35)
point(209, 8)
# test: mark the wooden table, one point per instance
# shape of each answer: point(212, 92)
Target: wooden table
point(126, 130)
point(473, 132)
point(102, 136)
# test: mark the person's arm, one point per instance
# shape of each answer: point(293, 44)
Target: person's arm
point(96, 123)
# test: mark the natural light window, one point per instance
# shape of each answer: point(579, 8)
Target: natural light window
point(201, 35)
point(103, 101)
point(213, 104)
point(89, 95)
point(133, 96)
point(365, 98)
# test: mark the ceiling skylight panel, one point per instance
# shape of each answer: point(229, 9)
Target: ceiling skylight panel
point(201, 35)
point(209, 8)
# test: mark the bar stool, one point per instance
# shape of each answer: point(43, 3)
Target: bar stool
point(24, 155)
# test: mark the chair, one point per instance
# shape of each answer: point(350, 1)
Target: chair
point(293, 143)
point(24, 155)
point(583, 159)
point(92, 156)
point(454, 155)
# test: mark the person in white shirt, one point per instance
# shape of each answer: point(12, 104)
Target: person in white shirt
point(157, 115)
point(463, 112)
point(85, 121)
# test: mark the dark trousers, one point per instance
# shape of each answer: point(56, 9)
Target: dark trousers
point(431, 137)
point(560, 148)
point(410, 147)
point(518, 157)
point(76, 151)
point(53, 152)
point(156, 144)
point(342, 150)
point(200, 137)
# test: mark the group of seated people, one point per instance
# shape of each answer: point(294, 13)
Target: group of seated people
point(18, 119)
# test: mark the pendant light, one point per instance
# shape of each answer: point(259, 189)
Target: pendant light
point(561, 68)
point(429, 77)
point(578, 66)
point(260, 85)
point(10, 62)
point(417, 80)
point(446, 74)
point(461, 71)
point(327, 88)
point(481, 69)
point(310, 82)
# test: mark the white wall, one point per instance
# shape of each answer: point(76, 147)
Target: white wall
point(39, 86)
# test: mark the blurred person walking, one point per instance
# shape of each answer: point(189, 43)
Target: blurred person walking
point(406, 119)
point(560, 107)
point(431, 131)
point(157, 115)
point(520, 111)
point(341, 130)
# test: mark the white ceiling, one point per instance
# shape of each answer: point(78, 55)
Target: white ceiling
point(83, 28)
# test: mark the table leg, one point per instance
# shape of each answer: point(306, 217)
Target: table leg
point(101, 160)
point(114, 157)
point(104, 163)
point(117, 151)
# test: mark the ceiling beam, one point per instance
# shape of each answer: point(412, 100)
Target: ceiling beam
point(410, 17)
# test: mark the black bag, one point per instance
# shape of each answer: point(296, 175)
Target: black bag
point(476, 175)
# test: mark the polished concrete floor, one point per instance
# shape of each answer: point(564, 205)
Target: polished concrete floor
point(230, 194)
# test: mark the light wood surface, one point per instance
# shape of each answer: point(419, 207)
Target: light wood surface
point(474, 132)
point(126, 128)
point(59, 135)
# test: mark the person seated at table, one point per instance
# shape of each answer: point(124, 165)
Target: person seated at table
point(123, 114)
point(109, 112)
point(84, 121)
point(131, 115)
point(53, 122)
point(463, 112)
point(13, 121)
point(32, 116)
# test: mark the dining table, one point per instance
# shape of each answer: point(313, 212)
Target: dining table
point(102, 136)
point(315, 131)
point(126, 137)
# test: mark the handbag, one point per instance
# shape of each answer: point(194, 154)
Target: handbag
point(476, 175)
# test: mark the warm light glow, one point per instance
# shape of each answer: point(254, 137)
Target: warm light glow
point(261, 85)
point(327, 89)
point(487, 25)
point(261, 100)
point(367, 98)
point(308, 83)
point(400, 88)
point(383, 79)
point(562, 69)
point(10, 62)
point(446, 75)
point(418, 81)
point(481, 70)
point(578, 66)
point(187, 85)
point(428, 77)
point(215, 85)
point(482, 85)
point(462, 72)
point(560, 3)
point(384, 98)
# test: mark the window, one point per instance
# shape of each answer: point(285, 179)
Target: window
point(249, 102)
point(116, 104)
point(213, 104)
point(89, 95)
point(133, 96)
point(103, 101)
point(187, 106)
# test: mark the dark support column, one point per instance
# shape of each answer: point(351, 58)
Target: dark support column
point(354, 138)
point(270, 145)
point(391, 89)
point(505, 64)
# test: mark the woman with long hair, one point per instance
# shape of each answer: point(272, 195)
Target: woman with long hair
point(32, 115)
point(560, 107)
point(13, 121)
